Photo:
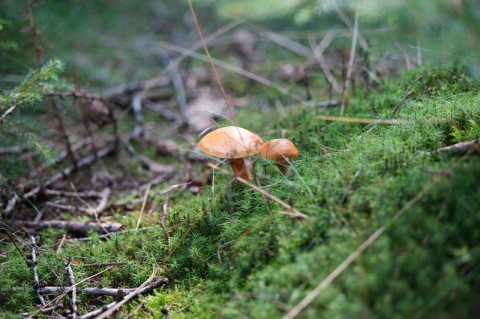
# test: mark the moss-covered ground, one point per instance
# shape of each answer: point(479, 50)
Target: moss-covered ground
point(231, 257)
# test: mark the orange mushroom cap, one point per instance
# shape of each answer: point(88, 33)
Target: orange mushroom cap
point(278, 149)
point(230, 142)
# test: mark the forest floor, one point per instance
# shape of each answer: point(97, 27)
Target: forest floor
point(228, 251)
point(377, 217)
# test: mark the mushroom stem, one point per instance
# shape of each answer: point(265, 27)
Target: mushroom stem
point(239, 168)
point(282, 165)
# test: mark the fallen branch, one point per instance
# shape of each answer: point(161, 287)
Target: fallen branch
point(74, 290)
point(35, 274)
point(143, 289)
point(63, 207)
point(11, 203)
point(86, 161)
point(73, 227)
point(53, 290)
point(52, 192)
point(460, 147)
point(102, 205)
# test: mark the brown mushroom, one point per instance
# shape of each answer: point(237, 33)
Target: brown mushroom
point(279, 150)
point(233, 143)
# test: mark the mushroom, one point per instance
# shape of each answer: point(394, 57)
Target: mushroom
point(233, 143)
point(279, 150)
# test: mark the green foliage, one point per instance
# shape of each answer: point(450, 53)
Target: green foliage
point(31, 90)
point(34, 86)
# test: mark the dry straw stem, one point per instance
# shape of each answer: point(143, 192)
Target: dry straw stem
point(222, 89)
point(143, 207)
point(293, 212)
point(318, 54)
point(350, 66)
point(335, 273)
point(378, 121)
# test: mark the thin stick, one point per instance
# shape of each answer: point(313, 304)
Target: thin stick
point(143, 206)
point(35, 274)
point(395, 110)
point(334, 274)
point(140, 306)
point(460, 146)
point(181, 309)
point(102, 204)
point(127, 298)
point(59, 249)
point(74, 290)
point(318, 54)
point(164, 216)
point(400, 103)
point(53, 192)
point(350, 66)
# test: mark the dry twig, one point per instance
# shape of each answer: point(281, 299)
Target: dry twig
point(35, 274)
point(461, 147)
point(140, 306)
point(102, 204)
point(143, 289)
point(350, 66)
point(73, 227)
point(74, 290)
point(143, 207)
point(164, 216)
